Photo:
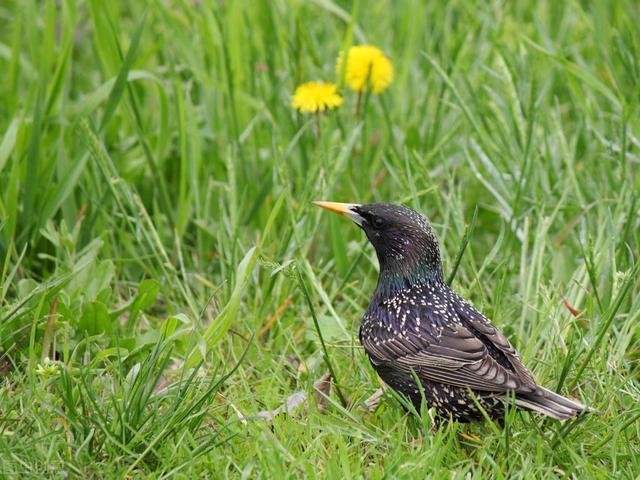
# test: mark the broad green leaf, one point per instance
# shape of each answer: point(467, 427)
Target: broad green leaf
point(96, 319)
point(147, 294)
point(220, 326)
point(170, 324)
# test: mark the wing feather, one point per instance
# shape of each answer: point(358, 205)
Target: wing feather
point(454, 353)
point(481, 325)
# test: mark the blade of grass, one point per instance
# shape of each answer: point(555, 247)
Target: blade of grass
point(466, 237)
point(325, 352)
point(121, 80)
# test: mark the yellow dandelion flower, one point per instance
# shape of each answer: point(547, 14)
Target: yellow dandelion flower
point(316, 97)
point(366, 65)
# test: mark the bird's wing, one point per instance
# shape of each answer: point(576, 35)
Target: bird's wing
point(483, 329)
point(451, 353)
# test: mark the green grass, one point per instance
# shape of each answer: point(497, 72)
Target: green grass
point(155, 215)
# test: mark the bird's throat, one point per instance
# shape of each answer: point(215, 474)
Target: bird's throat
point(400, 273)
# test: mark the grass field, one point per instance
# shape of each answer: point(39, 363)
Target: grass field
point(162, 263)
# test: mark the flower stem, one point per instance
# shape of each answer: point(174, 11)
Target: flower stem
point(327, 358)
point(317, 115)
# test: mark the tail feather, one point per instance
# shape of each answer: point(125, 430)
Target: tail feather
point(551, 404)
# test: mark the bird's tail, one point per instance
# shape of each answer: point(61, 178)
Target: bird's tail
point(551, 404)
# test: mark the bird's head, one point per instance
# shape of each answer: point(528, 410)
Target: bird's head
point(405, 243)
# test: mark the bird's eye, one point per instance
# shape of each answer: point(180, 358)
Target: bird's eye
point(377, 222)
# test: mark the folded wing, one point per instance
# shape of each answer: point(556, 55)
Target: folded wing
point(459, 348)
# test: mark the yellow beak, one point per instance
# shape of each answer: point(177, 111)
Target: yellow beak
point(343, 209)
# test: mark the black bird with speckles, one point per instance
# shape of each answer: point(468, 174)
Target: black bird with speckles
point(416, 326)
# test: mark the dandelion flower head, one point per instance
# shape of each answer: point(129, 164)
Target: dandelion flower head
point(366, 64)
point(316, 97)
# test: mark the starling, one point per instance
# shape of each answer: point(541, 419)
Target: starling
point(417, 328)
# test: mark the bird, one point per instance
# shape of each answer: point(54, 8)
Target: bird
point(427, 342)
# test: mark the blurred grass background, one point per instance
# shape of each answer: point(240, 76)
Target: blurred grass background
point(155, 225)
